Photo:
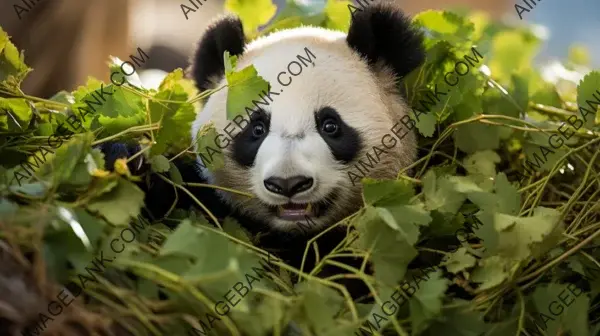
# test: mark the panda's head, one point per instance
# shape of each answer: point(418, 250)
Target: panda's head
point(333, 98)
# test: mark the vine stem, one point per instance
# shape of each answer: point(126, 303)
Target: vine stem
point(131, 158)
point(32, 98)
point(522, 313)
point(204, 185)
point(561, 258)
point(142, 128)
point(556, 167)
point(210, 214)
point(365, 279)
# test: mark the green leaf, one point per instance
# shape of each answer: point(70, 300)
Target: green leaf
point(184, 241)
point(391, 252)
point(117, 65)
point(444, 224)
point(440, 193)
point(244, 87)
point(262, 318)
point(519, 91)
point(338, 15)
point(12, 64)
point(7, 208)
point(176, 80)
point(509, 199)
point(110, 101)
point(37, 189)
point(295, 14)
point(233, 263)
point(517, 235)
point(409, 231)
point(120, 204)
point(459, 261)
point(61, 166)
point(234, 229)
point(253, 13)
point(230, 62)
point(588, 98)
point(512, 52)
point(446, 25)
point(458, 322)
point(544, 92)
point(92, 226)
point(175, 116)
point(481, 167)
point(535, 156)
point(391, 199)
point(579, 54)
point(58, 165)
point(64, 97)
point(385, 192)
point(425, 122)
point(98, 157)
point(321, 305)
point(493, 271)
point(474, 137)
point(174, 174)
point(426, 303)
point(212, 157)
point(160, 164)
point(566, 310)
point(506, 100)
point(15, 114)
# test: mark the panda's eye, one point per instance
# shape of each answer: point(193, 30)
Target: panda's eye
point(258, 129)
point(330, 127)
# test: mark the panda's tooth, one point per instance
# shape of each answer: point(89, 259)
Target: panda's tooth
point(309, 207)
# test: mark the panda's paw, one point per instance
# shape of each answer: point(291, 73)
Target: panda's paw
point(119, 150)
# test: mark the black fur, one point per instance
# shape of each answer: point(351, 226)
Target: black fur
point(382, 32)
point(346, 144)
point(245, 144)
point(113, 151)
point(225, 34)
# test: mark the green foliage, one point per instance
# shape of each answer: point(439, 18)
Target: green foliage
point(244, 87)
point(252, 12)
point(12, 64)
point(520, 235)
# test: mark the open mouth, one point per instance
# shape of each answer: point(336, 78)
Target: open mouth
point(294, 211)
point(298, 211)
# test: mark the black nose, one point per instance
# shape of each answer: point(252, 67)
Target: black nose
point(288, 186)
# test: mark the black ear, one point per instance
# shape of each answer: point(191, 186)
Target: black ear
point(382, 32)
point(225, 34)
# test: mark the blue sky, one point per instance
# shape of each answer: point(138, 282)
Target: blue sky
point(569, 21)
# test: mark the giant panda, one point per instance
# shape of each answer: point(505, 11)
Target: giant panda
point(295, 154)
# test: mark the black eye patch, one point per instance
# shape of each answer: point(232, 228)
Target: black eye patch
point(246, 143)
point(345, 142)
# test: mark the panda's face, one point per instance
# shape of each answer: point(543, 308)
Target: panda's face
point(325, 110)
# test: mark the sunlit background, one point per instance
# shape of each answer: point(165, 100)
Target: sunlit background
point(67, 40)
